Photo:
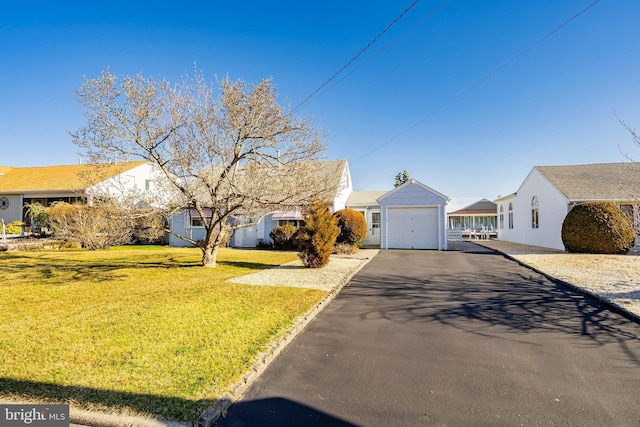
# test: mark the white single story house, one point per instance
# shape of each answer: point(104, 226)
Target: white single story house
point(534, 214)
point(68, 183)
point(189, 224)
point(411, 216)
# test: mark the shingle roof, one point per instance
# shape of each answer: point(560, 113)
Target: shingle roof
point(55, 178)
point(602, 181)
point(364, 198)
point(483, 206)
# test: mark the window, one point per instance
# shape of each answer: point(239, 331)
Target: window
point(501, 216)
point(147, 184)
point(535, 214)
point(196, 221)
point(510, 215)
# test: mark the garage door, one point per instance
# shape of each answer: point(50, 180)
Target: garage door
point(412, 228)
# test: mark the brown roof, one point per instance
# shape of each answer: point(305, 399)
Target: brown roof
point(56, 178)
point(481, 207)
point(602, 181)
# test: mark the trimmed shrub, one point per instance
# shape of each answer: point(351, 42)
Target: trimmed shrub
point(353, 227)
point(318, 236)
point(282, 237)
point(597, 228)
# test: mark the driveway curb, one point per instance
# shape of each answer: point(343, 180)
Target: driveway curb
point(612, 305)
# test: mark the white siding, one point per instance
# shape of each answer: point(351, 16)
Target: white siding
point(144, 181)
point(373, 230)
point(346, 187)
point(553, 208)
point(413, 194)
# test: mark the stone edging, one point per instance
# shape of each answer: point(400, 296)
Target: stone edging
point(210, 416)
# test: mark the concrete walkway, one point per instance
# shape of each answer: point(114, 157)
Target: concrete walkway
point(464, 338)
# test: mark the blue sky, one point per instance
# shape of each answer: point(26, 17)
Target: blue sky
point(555, 104)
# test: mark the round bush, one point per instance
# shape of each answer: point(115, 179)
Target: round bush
point(353, 226)
point(597, 228)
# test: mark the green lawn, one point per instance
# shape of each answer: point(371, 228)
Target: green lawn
point(136, 330)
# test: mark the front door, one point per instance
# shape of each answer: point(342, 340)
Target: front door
point(373, 229)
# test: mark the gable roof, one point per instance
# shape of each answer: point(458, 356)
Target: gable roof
point(601, 181)
point(483, 206)
point(332, 170)
point(56, 178)
point(415, 182)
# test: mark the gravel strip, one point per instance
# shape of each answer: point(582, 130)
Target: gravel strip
point(294, 274)
point(614, 278)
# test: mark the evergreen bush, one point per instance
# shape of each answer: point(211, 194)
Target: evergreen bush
point(318, 236)
point(283, 237)
point(353, 227)
point(597, 228)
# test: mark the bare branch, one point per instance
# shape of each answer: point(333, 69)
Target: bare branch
point(229, 154)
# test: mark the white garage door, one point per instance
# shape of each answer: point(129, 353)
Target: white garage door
point(412, 228)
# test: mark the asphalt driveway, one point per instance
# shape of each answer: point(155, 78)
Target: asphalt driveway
point(452, 339)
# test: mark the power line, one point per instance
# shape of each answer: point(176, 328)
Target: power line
point(356, 57)
point(394, 41)
point(479, 82)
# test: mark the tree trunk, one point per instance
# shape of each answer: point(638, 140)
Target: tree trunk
point(209, 256)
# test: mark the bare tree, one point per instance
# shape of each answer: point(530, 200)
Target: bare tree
point(234, 155)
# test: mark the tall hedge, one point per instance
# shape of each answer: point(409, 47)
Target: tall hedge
point(353, 226)
point(597, 228)
point(318, 236)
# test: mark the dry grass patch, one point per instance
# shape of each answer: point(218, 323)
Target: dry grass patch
point(613, 277)
point(137, 330)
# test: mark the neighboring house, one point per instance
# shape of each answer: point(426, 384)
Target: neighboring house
point(534, 214)
point(413, 217)
point(189, 224)
point(68, 183)
point(478, 220)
